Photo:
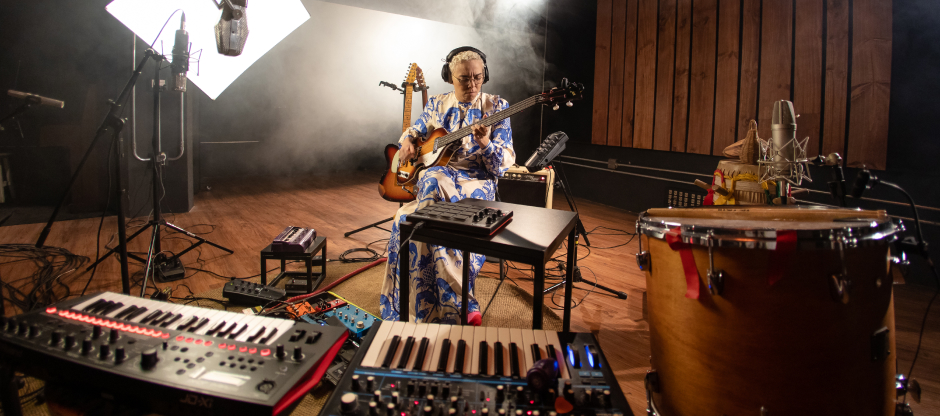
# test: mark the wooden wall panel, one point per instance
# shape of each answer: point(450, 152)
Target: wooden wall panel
point(629, 75)
point(662, 123)
point(775, 59)
point(750, 62)
point(808, 71)
point(688, 75)
point(871, 83)
point(615, 106)
point(601, 73)
point(702, 89)
point(837, 75)
point(647, 17)
point(726, 84)
point(680, 101)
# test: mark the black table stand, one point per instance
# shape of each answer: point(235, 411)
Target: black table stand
point(155, 258)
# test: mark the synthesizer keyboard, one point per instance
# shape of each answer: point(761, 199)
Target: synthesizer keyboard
point(171, 358)
point(429, 369)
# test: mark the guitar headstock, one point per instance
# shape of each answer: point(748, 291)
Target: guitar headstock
point(420, 80)
point(411, 74)
point(565, 92)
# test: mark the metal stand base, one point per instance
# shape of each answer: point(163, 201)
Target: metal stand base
point(579, 279)
point(375, 225)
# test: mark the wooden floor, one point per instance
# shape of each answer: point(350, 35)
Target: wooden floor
point(245, 215)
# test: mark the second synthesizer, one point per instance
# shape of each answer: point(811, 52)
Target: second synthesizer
point(170, 358)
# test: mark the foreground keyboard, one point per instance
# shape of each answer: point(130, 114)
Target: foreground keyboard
point(429, 369)
point(170, 358)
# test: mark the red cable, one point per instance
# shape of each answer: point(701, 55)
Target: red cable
point(338, 281)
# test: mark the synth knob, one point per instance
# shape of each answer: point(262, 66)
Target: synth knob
point(605, 398)
point(148, 359)
point(114, 335)
point(56, 337)
point(349, 403)
point(428, 410)
point(356, 386)
point(485, 411)
point(119, 354)
point(370, 383)
point(374, 409)
point(390, 410)
point(500, 393)
point(453, 402)
point(279, 351)
point(519, 412)
point(69, 341)
point(86, 346)
point(298, 353)
point(377, 396)
point(33, 330)
point(96, 332)
point(104, 351)
point(395, 397)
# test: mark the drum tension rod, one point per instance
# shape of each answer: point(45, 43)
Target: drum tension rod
point(839, 284)
point(716, 278)
point(642, 257)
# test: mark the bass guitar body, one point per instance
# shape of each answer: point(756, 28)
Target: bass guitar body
point(400, 178)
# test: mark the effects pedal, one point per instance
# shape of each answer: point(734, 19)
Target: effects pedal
point(249, 293)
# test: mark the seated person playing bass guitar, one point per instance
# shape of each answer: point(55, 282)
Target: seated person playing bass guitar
point(482, 157)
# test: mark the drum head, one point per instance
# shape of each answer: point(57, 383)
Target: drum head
point(759, 227)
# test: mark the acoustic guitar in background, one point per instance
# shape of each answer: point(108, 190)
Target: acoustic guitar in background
point(414, 80)
point(437, 148)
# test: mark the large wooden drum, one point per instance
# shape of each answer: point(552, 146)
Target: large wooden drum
point(795, 316)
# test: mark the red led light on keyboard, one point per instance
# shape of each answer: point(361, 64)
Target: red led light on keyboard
point(120, 326)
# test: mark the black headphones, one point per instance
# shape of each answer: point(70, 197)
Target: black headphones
point(445, 71)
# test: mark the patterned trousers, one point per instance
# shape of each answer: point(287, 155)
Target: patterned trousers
point(435, 273)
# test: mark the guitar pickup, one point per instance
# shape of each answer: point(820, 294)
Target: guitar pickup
point(403, 175)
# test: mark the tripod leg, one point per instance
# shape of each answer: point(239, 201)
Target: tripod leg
point(195, 237)
point(569, 277)
point(580, 226)
point(111, 251)
point(375, 224)
point(150, 255)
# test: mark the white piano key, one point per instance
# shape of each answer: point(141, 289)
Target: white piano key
point(527, 340)
point(282, 326)
point(253, 324)
point(492, 336)
point(437, 340)
point(420, 333)
point(505, 340)
point(386, 343)
point(552, 338)
point(456, 334)
point(83, 305)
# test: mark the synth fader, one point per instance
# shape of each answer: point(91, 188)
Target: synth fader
point(170, 358)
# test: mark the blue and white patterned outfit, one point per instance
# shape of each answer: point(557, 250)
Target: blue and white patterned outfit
point(436, 272)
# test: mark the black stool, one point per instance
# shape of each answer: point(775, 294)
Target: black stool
point(308, 257)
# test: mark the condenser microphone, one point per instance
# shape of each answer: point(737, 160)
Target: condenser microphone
point(863, 181)
point(36, 99)
point(783, 132)
point(232, 30)
point(180, 64)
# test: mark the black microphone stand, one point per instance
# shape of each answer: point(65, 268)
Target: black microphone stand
point(156, 261)
point(115, 123)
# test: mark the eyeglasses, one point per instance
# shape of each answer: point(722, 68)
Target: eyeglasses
point(478, 79)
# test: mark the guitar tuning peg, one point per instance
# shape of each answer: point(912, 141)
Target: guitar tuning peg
point(555, 107)
point(569, 104)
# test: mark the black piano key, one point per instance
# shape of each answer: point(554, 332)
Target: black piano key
point(216, 328)
point(551, 353)
point(484, 357)
point(268, 338)
point(536, 352)
point(235, 334)
point(171, 320)
point(162, 318)
point(111, 308)
point(189, 322)
point(257, 334)
point(135, 314)
point(406, 353)
point(513, 360)
point(422, 351)
point(498, 349)
point(93, 305)
point(153, 315)
point(390, 354)
point(458, 359)
point(100, 307)
point(198, 325)
point(445, 352)
point(127, 310)
point(228, 330)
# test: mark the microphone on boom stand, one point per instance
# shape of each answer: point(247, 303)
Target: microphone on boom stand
point(180, 64)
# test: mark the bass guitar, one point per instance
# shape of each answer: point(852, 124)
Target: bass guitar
point(439, 146)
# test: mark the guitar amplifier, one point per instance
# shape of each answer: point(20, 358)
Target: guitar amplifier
point(519, 186)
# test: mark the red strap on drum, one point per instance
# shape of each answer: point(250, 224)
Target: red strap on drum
point(786, 244)
point(674, 239)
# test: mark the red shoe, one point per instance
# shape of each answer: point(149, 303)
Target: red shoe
point(474, 318)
